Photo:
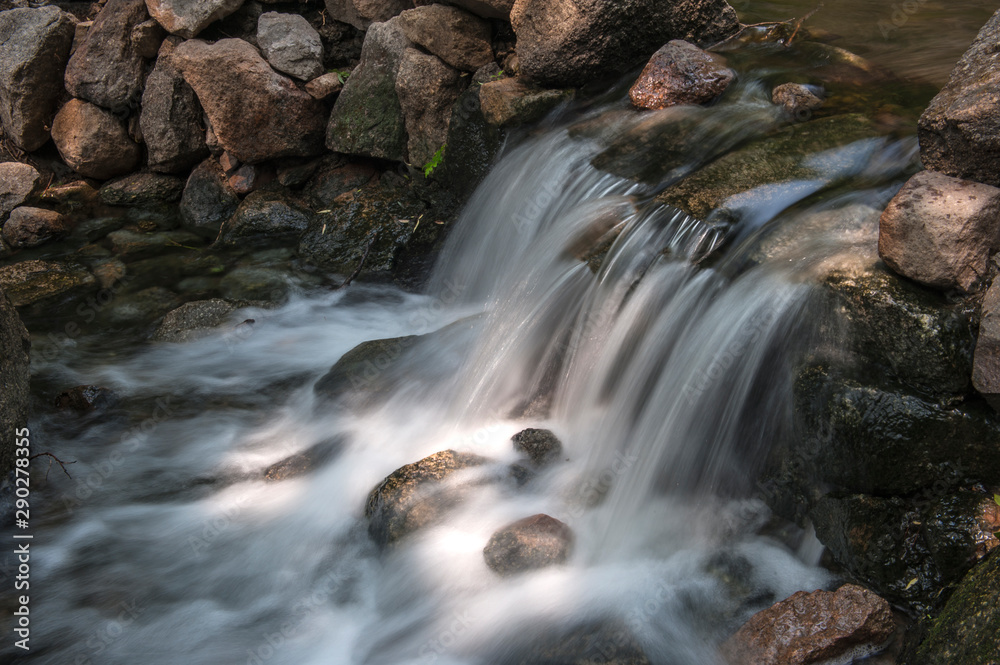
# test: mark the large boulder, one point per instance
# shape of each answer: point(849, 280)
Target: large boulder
point(14, 376)
point(264, 217)
point(986, 363)
point(534, 542)
point(108, 68)
point(958, 130)
point(30, 282)
point(365, 371)
point(208, 200)
point(171, 118)
point(362, 13)
point(570, 42)
point(427, 90)
point(187, 18)
point(30, 227)
point(290, 44)
point(487, 8)
point(940, 231)
point(194, 320)
point(94, 142)
point(18, 183)
point(256, 113)
point(34, 48)
point(367, 118)
point(541, 446)
point(457, 37)
point(680, 73)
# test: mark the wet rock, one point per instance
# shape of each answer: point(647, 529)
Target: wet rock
point(264, 217)
point(414, 495)
point(595, 643)
point(325, 86)
point(957, 131)
point(362, 13)
point(798, 100)
point(487, 8)
point(290, 44)
point(136, 244)
point(512, 101)
point(457, 37)
point(18, 183)
point(34, 49)
point(189, 17)
point(571, 42)
point(30, 227)
point(366, 369)
point(833, 627)
point(305, 462)
point(534, 542)
point(76, 195)
point(171, 118)
point(473, 144)
point(939, 231)
point(90, 230)
point(108, 68)
point(14, 376)
point(30, 282)
point(680, 73)
point(109, 273)
point(334, 178)
point(93, 142)
point(208, 200)
point(249, 178)
point(540, 445)
point(367, 118)
point(986, 363)
point(87, 399)
point(256, 113)
point(255, 284)
point(142, 189)
point(140, 308)
point(427, 89)
point(194, 320)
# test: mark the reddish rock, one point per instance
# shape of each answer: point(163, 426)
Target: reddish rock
point(821, 626)
point(93, 142)
point(456, 36)
point(487, 8)
point(534, 542)
point(30, 227)
point(362, 13)
point(513, 101)
point(189, 17)
point(680, 73)
point(250, 177)
point(324, 86)
point(427, 89)
point(18, 183)
point(986, 363)
point(256, 113)
point(940, 230)
point(228, 162)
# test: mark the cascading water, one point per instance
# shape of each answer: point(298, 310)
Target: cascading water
point(662, 364)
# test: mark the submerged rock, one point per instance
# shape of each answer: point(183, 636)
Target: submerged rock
point(540, 445)
point(798, 100)
point(87, 399)
point(305, 462)
point(365, 369)
point(680, 73)
point(194, 320)
point(534, 542)
point(596, 643)
point(15, 376)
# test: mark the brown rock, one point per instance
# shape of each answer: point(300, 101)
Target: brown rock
point(86, 399)
point(15, 377)
point(513, 101)
point(797, 99)
point(256, 113)
point(939, 231)
point(189, 17)
point(208, 199)
point(35, 281)
point(456, 36)
point(531, 543)
point(840, 626)
point(324, 86)
point(147, 38)
point(680, 73)
point(986, 363)
point(30, 227)
point(540, 445)
point(93, 142)
point(487, 8)
point(18, 183)
point(363, 13)
point(427, 90)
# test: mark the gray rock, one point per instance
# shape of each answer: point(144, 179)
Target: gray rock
point(487, 8)
point(365, 370)
point(14, 376)
point(140, 308)
point(540, 445)
point(256, 284)
point(798, 100)
point(142, 189)
point(34, 49)
point(187, 18)
point(680, 73)
point(194, 320)
point(267, 217)
point(30, 282)
point(93, 142)
point(362, 13)
point(30, 227)
point(290, 44)
point(18, 183)
point(427, 89)
point(986, 363)
point(208, 199)
point(534, 542)
point(147, 37)
point(456, 36)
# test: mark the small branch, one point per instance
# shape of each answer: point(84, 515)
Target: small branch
point(357, 271)
point(61, 463)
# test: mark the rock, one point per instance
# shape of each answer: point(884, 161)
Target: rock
point(798, 100)
point(367, 118)
point(171, 118)
point(325, 86)
point(540, 445)
point(592, 643)
point(957, 131)
point(255, 284)
point(135, 245)
point(362, 13)
point(534, 542)
point(966, 630)
point(302, 463)
point(93, 142)
point(334, 177)
point(248, 178)
point(473, 144)
point(18, 183)
point(256, 113)
point(108, 69)
point(30, 282)
point(264, 217)
point(30, 227)
point(833, 627)
point(940, 231)
point(364, 369)
point(86, 399)
point(290, 44)
point(194, 320)
point(414, 495)
point(427, 89)
point(986, 363)
point(487, 8)
point(14, 376)
point(208, 199)
point(680, 73)
point(512, 101)
point(142, 189)
point(75, 195)
point(34, 49)
point(571, 42)
point(140, 308)
point(147, 37)
point(457, 37)
point(187, 18)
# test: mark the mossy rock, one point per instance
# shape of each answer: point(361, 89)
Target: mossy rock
point(44, 282)
point(473, 145)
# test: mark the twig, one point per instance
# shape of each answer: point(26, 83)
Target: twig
point(61, 463)
point(357, 271)
point(801, 21)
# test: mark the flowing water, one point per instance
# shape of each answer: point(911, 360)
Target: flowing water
point(664, 368)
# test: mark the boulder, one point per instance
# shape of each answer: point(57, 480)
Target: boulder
point(427, 89)
point(194, 320)
point(30, 227)
point(986, 363)
point(571, 42)
point(680, 73)
point(187, 18)
point(34, 49)
point(108, 68)
point(540, 445)
point(14, 376)
point(798, 100)
point(487, 8)
point(334, 177)
point(290, 44)
point(142, 189)
point(414, 495)
point(958, 130)
point(364, 369)
point(842, 626)
point(511, 102)
point(208, 200)
point(171, 118)
point(256, 113)
point(534, 542)
point(457, 37)
point(30, 282)
point(325, 86)
point(367, 118)
point(473, 144)
point(264, 217)
point(147, 38)
point(93, 142)
point(302, 463)
point(362, 13)
point(940, 231)
point(18, 183)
